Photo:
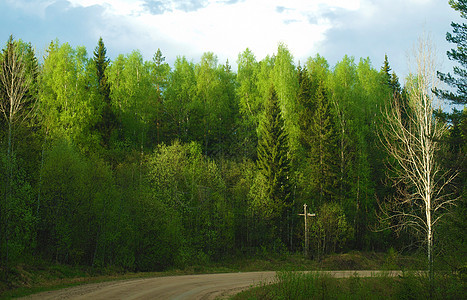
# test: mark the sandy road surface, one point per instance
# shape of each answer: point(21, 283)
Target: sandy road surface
point(208, 286)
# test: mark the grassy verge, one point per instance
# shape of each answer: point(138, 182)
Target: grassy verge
point(290, 285)
point(25, 279)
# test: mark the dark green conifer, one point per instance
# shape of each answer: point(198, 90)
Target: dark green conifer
point(273, 162)
point(386, 71)
point(322, 155)
point(108, 121)
point(395, 85)
point(457, 80)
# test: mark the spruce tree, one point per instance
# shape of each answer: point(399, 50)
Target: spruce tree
point(395, 85)
point(317, 137)
point(108, 121)
point(390, 79)
point(273, 163)
point(322, 153)
point(386, 71)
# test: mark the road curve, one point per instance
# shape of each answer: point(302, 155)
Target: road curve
point(206, 286)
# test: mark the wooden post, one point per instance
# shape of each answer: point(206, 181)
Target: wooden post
point(306, 215)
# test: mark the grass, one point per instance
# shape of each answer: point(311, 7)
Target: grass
point(25, 279)
point(293, 285)
point(38, 277)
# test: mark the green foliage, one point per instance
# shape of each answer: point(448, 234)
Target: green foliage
point(133, 97)
point(215, 106)
point(272, 188)
point(317, 166)
point(250, 99)
point(18, 84)
point(160, 71)
point(457, 80)
point(284, 77)
point(238, 178)
point(322, 136)
point(453, 158)
point(329, 230)
point(307, 104)
point(191, 186)
point(18, 219)
point(273, 163)
point(68, 95)
point(178, 102)
point(108, 120)
point(65, 205)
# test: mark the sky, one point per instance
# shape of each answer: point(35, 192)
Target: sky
point(332, 28)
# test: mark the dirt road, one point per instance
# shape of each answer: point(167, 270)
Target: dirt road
point(208, 286)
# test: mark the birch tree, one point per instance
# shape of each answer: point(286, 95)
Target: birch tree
point(413, 145)
point(15, 83)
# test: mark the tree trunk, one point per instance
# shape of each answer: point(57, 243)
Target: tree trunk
point(430, 245)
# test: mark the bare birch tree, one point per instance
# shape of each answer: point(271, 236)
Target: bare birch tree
point(15, 83)
point(412, 138)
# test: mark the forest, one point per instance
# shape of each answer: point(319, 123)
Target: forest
point(145, 166)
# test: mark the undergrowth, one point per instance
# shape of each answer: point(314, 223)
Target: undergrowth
point(295, 285)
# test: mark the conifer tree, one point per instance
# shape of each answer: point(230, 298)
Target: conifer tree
point(108, 121)
point(160, 75)
point(323, 139)
point(317, 136)
point(395, 85)
point(386, 71)
point(390, 79)
point(273, 164)
point(457, 80)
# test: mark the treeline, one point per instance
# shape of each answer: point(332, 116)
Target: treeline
point(145, 166)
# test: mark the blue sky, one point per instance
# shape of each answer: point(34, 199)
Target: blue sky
point(332, 28)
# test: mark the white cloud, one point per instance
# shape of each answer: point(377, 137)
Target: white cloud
point(227, 29)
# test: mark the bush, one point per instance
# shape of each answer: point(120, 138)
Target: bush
point(329, 230)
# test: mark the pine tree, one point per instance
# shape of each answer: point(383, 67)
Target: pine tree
point(273, 163)
point(108, 121)
point(458, 80)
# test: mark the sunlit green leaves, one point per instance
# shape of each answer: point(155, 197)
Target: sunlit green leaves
point(69, 95)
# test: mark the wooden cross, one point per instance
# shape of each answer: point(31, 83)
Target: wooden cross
point(306, 215)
